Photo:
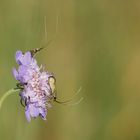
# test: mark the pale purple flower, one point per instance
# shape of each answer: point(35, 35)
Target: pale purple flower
point(36, 91)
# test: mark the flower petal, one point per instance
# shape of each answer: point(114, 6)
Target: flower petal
point(15, 73)
point(27, 59)
point(23, 59)
point(27, 114)
point(43, 113)
point(33, 111)
point(19, 57)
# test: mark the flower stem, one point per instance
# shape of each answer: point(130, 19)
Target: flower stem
point(9, 92)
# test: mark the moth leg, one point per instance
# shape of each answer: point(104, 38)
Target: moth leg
point(21, 102)
point(55, 96)
point(19, 86)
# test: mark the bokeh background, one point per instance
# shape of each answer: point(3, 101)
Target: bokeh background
point(97, 47)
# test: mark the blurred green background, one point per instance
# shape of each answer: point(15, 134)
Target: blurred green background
point(97, 46)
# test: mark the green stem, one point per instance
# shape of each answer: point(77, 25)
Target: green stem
point(9, 92)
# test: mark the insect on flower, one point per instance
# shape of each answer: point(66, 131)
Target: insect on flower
point(37, 86)
point(36, 92)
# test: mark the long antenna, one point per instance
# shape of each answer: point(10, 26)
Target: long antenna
point(68, 102)
point(45, 27)
point(35, 51)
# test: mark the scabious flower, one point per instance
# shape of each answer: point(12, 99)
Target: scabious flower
point(36, 91)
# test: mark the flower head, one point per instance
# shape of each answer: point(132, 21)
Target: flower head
point(36, 91)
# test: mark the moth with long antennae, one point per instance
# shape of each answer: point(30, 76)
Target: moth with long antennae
point(52, 83)
point(35, 51)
